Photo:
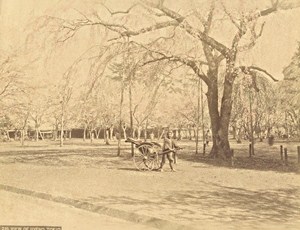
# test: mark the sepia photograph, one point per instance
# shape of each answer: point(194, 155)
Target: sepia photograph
point(149, 114)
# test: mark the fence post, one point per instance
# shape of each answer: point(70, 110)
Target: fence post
point(204, 146)
point(298, 148)
point(285, 155)
point(281, 152)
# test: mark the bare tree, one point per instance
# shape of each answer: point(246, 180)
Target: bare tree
point(65, 93)
point(216, 53)
point(289, 99)
point(5, 125)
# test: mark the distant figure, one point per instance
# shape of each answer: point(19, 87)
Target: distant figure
point(169, 146)
point(207, 137)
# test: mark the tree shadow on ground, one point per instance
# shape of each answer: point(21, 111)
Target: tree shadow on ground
point(92, 144)
point(46, 151)
point(88, 157)
point(129, 169)
point(215, 203)
point(257, 162)
point(98, 157)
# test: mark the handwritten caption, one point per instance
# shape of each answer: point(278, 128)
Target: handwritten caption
point(29, 228)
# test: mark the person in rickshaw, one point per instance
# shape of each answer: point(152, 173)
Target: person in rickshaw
point(169, 147)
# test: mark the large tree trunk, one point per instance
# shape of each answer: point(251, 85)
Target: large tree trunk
point(220, 121)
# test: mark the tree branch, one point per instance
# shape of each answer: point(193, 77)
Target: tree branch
point(234, 22)
point(270, 10)
point(247, 69)
point(189, 29)
point(253, 39)
point(119, 12)
point(191, 63)
point(209, 20)
point(6, 87)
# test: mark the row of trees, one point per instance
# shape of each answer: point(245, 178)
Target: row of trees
point(105, 68)
point(98, 111)
point(273, 108)
point(94, 104)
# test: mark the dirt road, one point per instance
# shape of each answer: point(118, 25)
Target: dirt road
point(196, 196)
point(18, 209)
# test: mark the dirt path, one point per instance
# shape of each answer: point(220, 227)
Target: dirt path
point(197, 195)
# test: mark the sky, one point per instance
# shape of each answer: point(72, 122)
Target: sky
point(272, 52)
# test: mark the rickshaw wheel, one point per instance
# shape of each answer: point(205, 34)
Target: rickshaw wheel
point(146, 158)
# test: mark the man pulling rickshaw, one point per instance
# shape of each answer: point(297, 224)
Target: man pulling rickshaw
point(169, 151)
point(148, 156)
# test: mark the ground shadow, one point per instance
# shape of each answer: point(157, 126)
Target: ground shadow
point(100, 156)
point(129, 169)
point(87, 157)
point(215, 203)
point(258, 162)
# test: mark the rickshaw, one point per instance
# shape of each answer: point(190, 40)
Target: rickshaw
point(148, 156)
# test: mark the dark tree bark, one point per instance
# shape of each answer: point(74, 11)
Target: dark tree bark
point(220, 120)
